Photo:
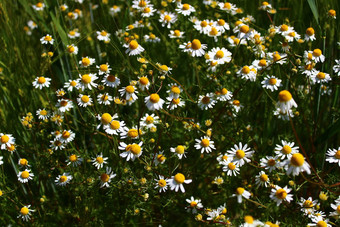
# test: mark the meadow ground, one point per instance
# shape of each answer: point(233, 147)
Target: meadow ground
point(169, 113)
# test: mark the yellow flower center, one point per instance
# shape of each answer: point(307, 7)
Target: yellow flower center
point(186, 7)
point(224, 91)
point(245, 70)
point(281, 193)
point(244, 29)
point(317, 52)
point(272, 81)
point(179, 178)
point(115, 125)
point(130, 27)
point(73, 83)
point(104, 97)
point(193, 204)
point(103, 67)
point(133, 45)
point(321, 224)
point(338, 209)
point(149, 120)
point(205, 142)
point(321, 75)
point(25, 174)
point(41, 80)
point(284, 28)
point(332, 12)
point(63, 179)
point(143, 80)
point(162, 183)
point(221, 22)
point(264, 177)
point(196, 44)
point(142, 3)
point(204, 24)
point(308, 204)
point(48, 38)
point(227, 5)
point(39, 5)
point(167, 18)
point(179, 149)
point(285, 96)
point(103, 33)
point(176, 101)
point(70, 49)
point(154, 98)
point(276, 57)
point(292, 34)
point(205, 100)
point(286, 149)
point(297, 159)
point(337, 154)
point(177, 33)
point(231, 166)
point(225, 157)
point(239, 191)
point(240, 154)
point(175, 89)
point(164, 68)
point(146, 10)
point(104, 177)
point(152, 36)
point(85, 99)
point(4, 139)
point(135, 149)
point(73, 158)
point(86, 79)
point(161, 158)
point(265, 3)
point(24, 211)
point(106, 118)
point(213, 31)
point(86, 61)
point(23, 162)
point(66, 134)
point(130, 89)
point(236, 102)
point(133, 133)
point(249, 219)
point(310, 31)
point(271, 162)
point(220, 54)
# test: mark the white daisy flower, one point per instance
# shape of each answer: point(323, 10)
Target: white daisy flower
point(205, 144)
point(87, 81)
point(231, 168)
point(103, 36)
point(320, 77)
point(74, 160)
point(42, 114)
point(241, 192)
point(219, 55)
point(284, 115)
point(167, 19)
point(143, 83)
point(207, 101)
point(148, 11)
point(174, 103)
point(296, 164)
point(151, 38)
point(279, 194)
point(149, 121)
point(176, 34)
point(129, 92)
point(133, 48)
point(132, 151)
point(194, 48)
point(224, 95)
point(247, 73)
point(308, 205)
point(161, 184)
point(64, 105)
point(56, 144)
point(104, 99)
point(179, 151)
point(154, 102)
point(25, 176)
point(66, 136)
point(262, 179)
point(25, 211)
point(271, 82)
point(310, 34)
point(72, 84)
point(319, 221)
point(39, 6)
point(72, 49)
point(176, 182)
point(286, 150)
point(185, 9)
point(333, 156)
point(116, 128)
point(194, 204)
point(47, 39)
point(63, 180)
point(270, 163)
point(228, 7)
point(249, 221)
point(114, 10)
point(103, 69)
point(41, 82)
point(159, 158)
point(87, 61)
point(286, 101)
point(84, 100)
point(99, 161)
point(111, 81)
point(105, 178)
point(73, 34)
point(241, 154)
point(6, 140)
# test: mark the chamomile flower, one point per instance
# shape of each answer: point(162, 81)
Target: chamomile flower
point(104, 99)
point(336, 67)
point(221, 25)
point(25, 176)
point(57, 144)
point(332, 13)
point(159, 158)
point(103, 36)
point(179, 151)
point(87, 61)
point(64, 105)
point(6, 140)
point(241, 192)
point(25, 213)
point(103, 69)
point(308, 205)
point(23, 162)
point(270, 163)
point(47, 39)
point(279, 194)
point(317, 55)
point(262, 179)
point(111, 81)
point(84, 100)
point(151, 38)
point(214, 32)
point(185, 9)
point(105, 119)
point(74, 160)
point(319, 221)
point(131, 151)
point(284, 115)
point(219, 55)
point(224, 157)
point(87, 81)
point(176, 34)
point(148, 11)
point(292, 35)
point(39, 6)
point(41, 82)
point(336, 207)
point(72, 84)
point(231, 168)
point(249, 221)
point(133, 48)
point(278, 58)
point(286, 150)
point(63, 180)
point(73, 34)
point(162, 183)
point(72, 49)
point(310, 34)
point(143, 83)
point(320, 77)
point(205, 144)
point(223, 95)
point(154, 102)
point(99, 161)
point(173, 103)
point(114, 10)
point(218, 180)
point(167, 19)
point(203, 26)
point(43, 114)
point(207, 101)
point(194, 48)
point(271, 82)
point(296, 164)
point(247, 73)
point(286, 101)
point(265, 6)
point(241, 154)
point(333, 156)
point(176, 182)
point(194, 204)
point(66, 136)
point(140, 4)
point(105, 178)
point(228, 7)
point(116, 127)
point(149, 121)
point(132, 133)
point(164, 69)
point(1, 162)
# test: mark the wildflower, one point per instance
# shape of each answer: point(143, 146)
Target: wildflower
point(25, 176)
point(159, 158)
point(154, 102)
point(271, 82)
point(336, 67)
point(297, 164)
point(84, 100)
point(105, 119)
point(308, 205)
point(1, 162)
point(148, 11)
point(167, 19)
point(47, 39)
point(87, 81)
point(262, 179)
point(224, 95)
point(247, 73)
point(286, 150)
point(132, 151)
point(86, 62)
point(176, 182)
point(218, 180)
point(133, 48)
point(25, 213)
point(320, 77)
point(66, 136)
point(64, 105)
point(336, 207)
point(179, 151)
point(185, 9)
point(41, 82)
point(284, 115)
point(194, 48)
point(74, 160)
point(279, 194)
point(270, 163)
point(161, 184)
point(149, 121)
point(219, 55)
point(72, 49)
point(319, 221)
point(105, 178)
point(103, 36)
point(194, 204)
point(206, 101)
point(111, 80)
point(174, 103)
point(332, 13)
point(203, 26)
point(250, 222)
point(222, 26)
point(230, 167)
point(333, 156)
point(292, 35)
point(99, 161)
point(176, 34)
point(224, 157)
point(241, 154)
point(116, 127)
point(214, 32)
point(241, 192)
point(204, 144)
point(57, 144)
point(152, 38)
point(73, 34)
point(23, 162)
point(265, 6)
point(278, 58)
point(103, 69)
point(39, 6)
point(143, 83)
point(63, 180)
point(104, 99)
point(114, 10)
point(286, 101)
point(72, 84)
point(6, 140)
point(310, 34)
point(228, 7)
